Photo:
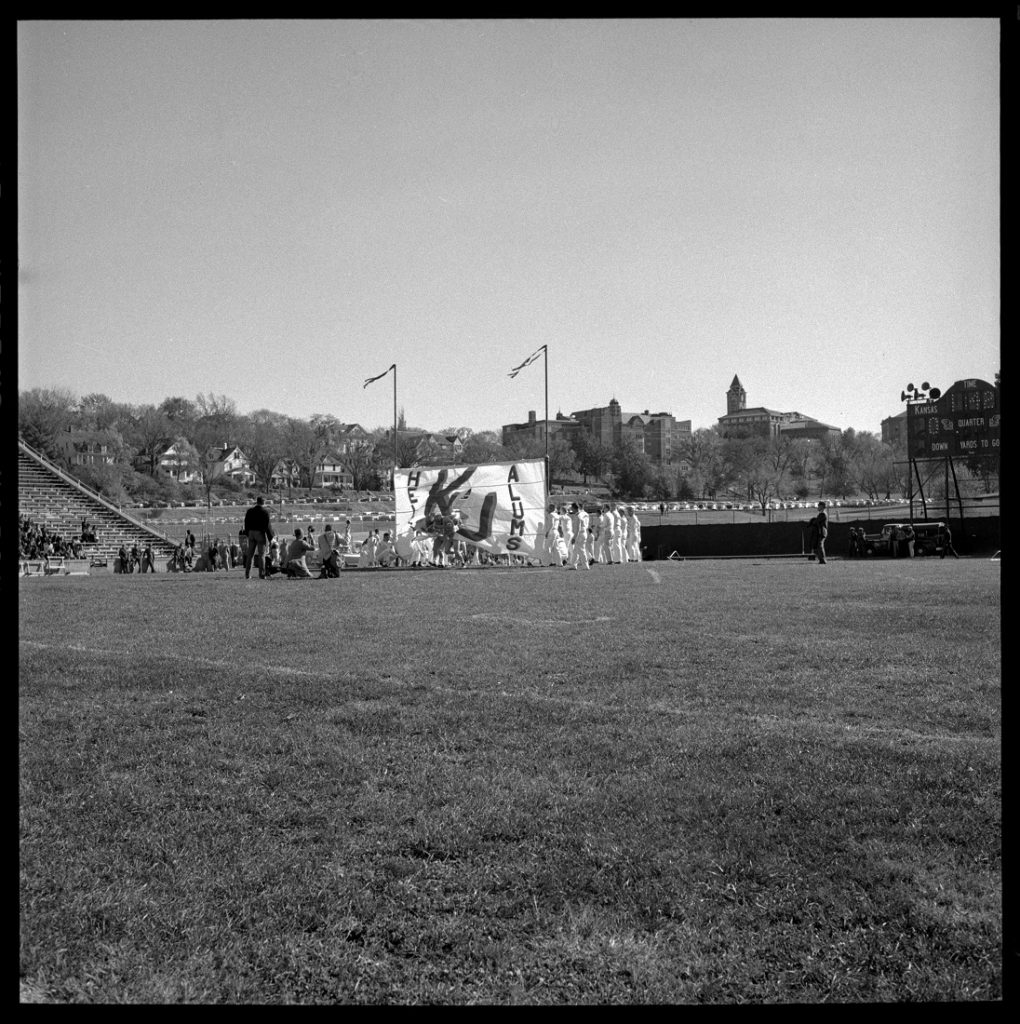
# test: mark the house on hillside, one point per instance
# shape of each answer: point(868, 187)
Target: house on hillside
point(179, 462)
point(420, 446)
point(351, 436)
point(227, 460)
point(286, 475)
point(330, 471)
point(93, 447)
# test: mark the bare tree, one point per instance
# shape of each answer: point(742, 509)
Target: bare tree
point(149, 436)
point(302, 446)
point(264, 445)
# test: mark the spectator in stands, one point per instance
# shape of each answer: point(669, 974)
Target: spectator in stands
point(297, 567)
point(260, 532)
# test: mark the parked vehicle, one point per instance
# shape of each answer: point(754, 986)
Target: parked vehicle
point(927, 538)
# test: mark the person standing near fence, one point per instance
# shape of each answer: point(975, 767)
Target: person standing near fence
point(821, 532)
point(260, 532)
point(908, 540)
point(894, 541)
point(946, 539)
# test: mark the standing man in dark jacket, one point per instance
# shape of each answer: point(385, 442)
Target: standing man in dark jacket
point(260, 533)
point(821, 532)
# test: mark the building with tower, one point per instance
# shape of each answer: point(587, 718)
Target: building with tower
point(739, 419)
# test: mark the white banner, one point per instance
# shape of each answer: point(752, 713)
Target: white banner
point(500, 505)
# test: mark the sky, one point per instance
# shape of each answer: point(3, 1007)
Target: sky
point(277, 210)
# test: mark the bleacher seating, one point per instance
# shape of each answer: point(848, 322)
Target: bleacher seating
point(50, 499)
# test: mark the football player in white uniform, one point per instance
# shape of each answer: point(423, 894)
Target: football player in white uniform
point(579, 527)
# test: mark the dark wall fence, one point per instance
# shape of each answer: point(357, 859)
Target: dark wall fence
point(976, 536)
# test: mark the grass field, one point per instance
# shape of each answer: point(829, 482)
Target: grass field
point(722, 782)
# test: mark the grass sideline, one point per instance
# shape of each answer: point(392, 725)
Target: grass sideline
point(753, 781)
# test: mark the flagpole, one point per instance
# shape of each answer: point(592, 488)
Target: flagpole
point(547, 482)
point(545, 429)
point(365, 385)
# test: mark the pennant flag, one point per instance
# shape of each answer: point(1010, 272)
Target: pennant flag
point(383, 374)
point(517, 369)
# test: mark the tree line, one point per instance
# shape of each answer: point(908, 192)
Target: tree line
point(750, 468)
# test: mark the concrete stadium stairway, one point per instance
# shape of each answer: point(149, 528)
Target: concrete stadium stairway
point(50, 497)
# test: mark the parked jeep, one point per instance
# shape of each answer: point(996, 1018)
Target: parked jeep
point(927, 538)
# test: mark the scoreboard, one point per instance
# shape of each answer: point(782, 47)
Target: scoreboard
point(963, 422)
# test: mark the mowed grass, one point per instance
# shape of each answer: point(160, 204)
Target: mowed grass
point(722, 782)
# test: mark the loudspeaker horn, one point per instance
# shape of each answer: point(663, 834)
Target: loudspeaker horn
point(935, 394)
